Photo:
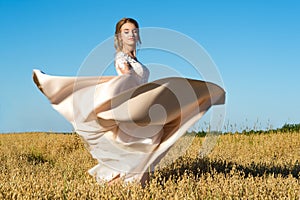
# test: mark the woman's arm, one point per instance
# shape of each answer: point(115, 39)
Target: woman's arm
point(122, 64)
point(122, 67)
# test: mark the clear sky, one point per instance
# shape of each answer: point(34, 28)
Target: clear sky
point(254, 44)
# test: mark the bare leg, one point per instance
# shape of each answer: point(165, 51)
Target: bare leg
point(145, 179)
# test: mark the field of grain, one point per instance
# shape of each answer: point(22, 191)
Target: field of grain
point(241, 166)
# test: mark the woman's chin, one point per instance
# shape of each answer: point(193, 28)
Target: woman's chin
point(131, 42)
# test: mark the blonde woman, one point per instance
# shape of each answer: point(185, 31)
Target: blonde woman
point(127, 123)
point(126, 39)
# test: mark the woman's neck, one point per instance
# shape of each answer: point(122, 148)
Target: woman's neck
point(130, 51)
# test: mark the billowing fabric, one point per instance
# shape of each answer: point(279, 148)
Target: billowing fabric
point(128, 124)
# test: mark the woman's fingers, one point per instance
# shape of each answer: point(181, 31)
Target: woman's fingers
point(126, 68)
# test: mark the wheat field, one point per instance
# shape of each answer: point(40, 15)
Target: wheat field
point(241, 166)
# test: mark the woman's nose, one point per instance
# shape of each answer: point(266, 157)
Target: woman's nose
point(131, 33)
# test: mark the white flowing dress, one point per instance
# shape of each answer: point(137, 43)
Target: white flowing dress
point(127, 123)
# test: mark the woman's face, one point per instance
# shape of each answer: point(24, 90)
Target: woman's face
point(129, 34)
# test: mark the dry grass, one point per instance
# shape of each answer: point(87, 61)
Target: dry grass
point(54, 166)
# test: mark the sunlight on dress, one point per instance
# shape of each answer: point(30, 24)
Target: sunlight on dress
point(127, 123)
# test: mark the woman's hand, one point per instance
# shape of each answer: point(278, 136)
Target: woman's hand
point(125, 68)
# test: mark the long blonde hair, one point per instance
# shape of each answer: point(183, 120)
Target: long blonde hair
point(117, 42)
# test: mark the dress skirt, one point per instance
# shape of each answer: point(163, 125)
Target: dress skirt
point(127, 126)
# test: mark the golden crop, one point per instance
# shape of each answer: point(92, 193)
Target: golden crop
point(54, 166)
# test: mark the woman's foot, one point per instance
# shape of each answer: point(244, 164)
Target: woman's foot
point(114, 180)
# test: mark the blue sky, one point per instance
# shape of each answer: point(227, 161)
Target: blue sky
point(254, 44)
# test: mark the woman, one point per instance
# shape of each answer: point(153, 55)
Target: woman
point(127, 123)
point(126, 39)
